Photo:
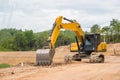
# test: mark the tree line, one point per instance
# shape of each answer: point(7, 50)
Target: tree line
point(18, 40)
point(111, 32)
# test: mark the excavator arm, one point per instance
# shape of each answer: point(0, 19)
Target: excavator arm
point(45, 56)
point(73, 26)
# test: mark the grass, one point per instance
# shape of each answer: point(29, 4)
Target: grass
point(4, 65)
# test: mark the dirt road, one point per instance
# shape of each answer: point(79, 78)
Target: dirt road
point(110, 70)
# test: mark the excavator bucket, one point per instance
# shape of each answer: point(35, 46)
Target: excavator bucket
point(44, 56)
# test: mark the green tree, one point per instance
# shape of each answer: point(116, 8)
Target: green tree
point(105, 33)
point(115, 26)
point(65, 38)
point(19, 41)
point(28, 36)
point(40, 39)
point(95, 28)
point(6, 38)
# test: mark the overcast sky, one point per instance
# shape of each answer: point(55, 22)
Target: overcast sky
point(39, 15)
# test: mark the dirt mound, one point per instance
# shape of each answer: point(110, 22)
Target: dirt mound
point(113, 49)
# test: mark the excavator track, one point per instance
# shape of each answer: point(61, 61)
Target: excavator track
point(68, 58)
point(96, 58)
point(93, 58)
point(44, 56)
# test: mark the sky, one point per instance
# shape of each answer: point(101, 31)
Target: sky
point(39, 15)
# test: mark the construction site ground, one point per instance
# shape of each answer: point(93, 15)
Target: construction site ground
point(23, 66)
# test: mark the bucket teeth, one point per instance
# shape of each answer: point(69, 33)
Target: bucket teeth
point(44, 56)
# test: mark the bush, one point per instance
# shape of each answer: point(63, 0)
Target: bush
point(4, 65)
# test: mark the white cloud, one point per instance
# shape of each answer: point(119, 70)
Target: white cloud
point(39, 15)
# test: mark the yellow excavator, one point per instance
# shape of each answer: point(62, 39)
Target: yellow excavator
point(89, 47)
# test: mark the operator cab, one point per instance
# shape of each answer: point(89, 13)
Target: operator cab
point(91, 42)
